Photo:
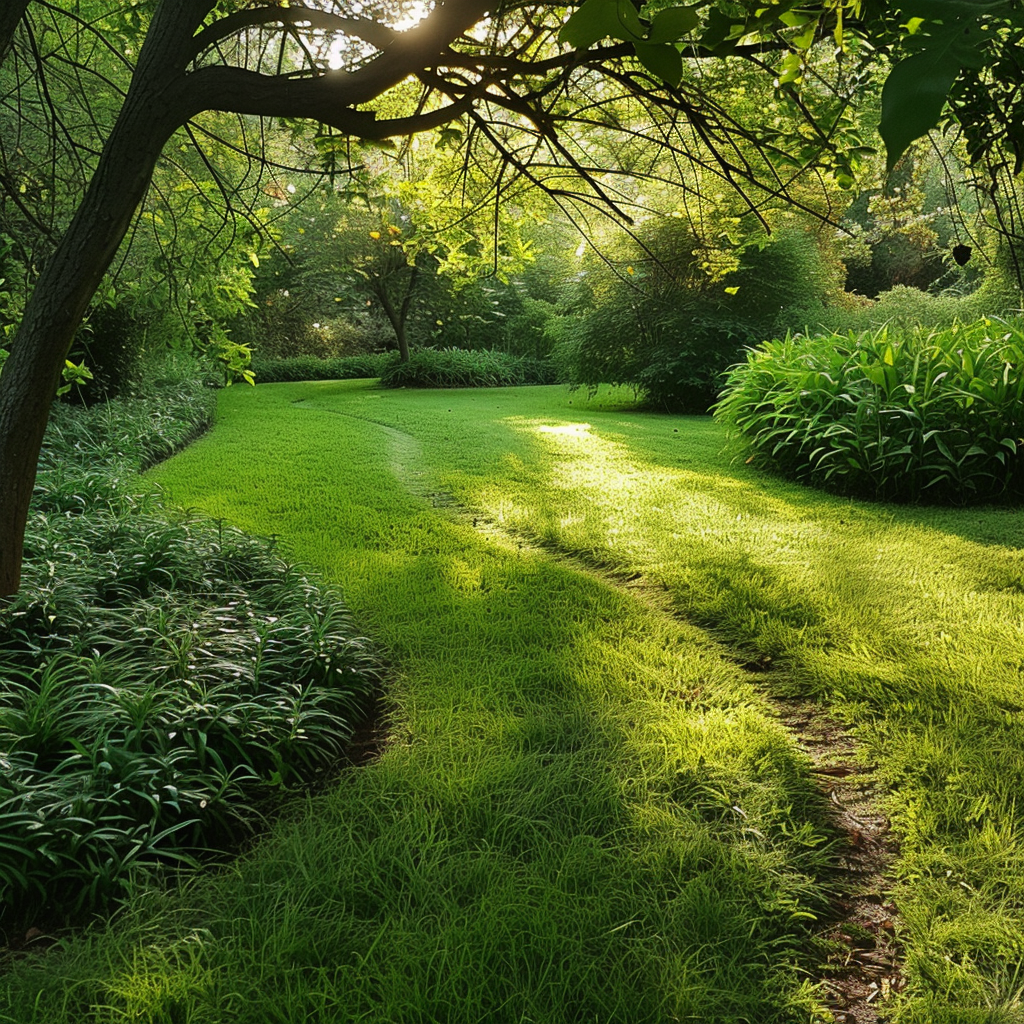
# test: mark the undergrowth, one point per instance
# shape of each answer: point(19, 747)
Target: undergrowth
point(914, 416)
point(159, 672)
point(466, 368)
point(299, 368)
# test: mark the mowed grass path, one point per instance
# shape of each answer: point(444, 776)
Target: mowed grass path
point(587, 812)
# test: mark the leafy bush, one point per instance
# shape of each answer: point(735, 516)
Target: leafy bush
point(299, 368)
point(462, 368)
point(669, 330)
point(109, 343)
point(131, 433)
point(902, 307)
point(920, 416)
point(159, 673)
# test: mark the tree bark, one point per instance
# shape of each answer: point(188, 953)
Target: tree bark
point(11, 14)
point(61, 296)
point(397, 321)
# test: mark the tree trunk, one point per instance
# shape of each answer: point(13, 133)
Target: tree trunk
point(397, 320)
point(61, 296)
point(11, 14)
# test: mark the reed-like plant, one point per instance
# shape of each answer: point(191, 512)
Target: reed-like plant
point(299, 368)
point(921, 416)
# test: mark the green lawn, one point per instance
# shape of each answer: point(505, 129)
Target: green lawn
point(588, 811)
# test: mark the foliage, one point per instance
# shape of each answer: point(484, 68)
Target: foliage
point(160, 672)
point(665, 326)
point(296, 368)
point(919, 416)
point(461, 368)
point(390, 259)
point(111, 344)
point(901, 307)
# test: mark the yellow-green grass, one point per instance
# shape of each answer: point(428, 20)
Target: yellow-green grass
point(587, 811)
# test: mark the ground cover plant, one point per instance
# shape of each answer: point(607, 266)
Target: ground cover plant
point(159, 673)
point(588, 810)
point(466, 368)
point(908, 415)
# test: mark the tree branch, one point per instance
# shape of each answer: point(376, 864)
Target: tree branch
point(372, 32)
point(325, 99)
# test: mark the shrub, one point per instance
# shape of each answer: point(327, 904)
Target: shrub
point(132, 433)
point(298, 368)
point(109, 342)
point(159, 673)
point(669, 330)
point(919, 416)
point(462, 368)
point(902, 307)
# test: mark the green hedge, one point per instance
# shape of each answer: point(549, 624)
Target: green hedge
point(466, 368)
point(920, 416)
point(299, 368)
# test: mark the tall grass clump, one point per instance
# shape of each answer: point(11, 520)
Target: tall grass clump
point(921, 416)
point(159, 673)
point(466, 368)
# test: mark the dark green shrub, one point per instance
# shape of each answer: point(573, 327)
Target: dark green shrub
point(462, 368)
point(667, 329)
point(918, 416)
point(109, 342)
point(298, 368)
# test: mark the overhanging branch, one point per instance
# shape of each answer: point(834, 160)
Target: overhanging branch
point(325, 99)
point(372, 32)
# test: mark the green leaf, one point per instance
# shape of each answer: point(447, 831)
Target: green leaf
point(913, 97)
point(722, 32)
point(672, 24)
point(663, 61)
point(629, 22)
point(599, 19)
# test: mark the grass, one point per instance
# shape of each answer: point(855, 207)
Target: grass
point(588, 813)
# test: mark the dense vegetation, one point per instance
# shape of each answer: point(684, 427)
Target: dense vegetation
point(159, 673)
point(295, 368)
point(458, 368)
point(909, 415)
